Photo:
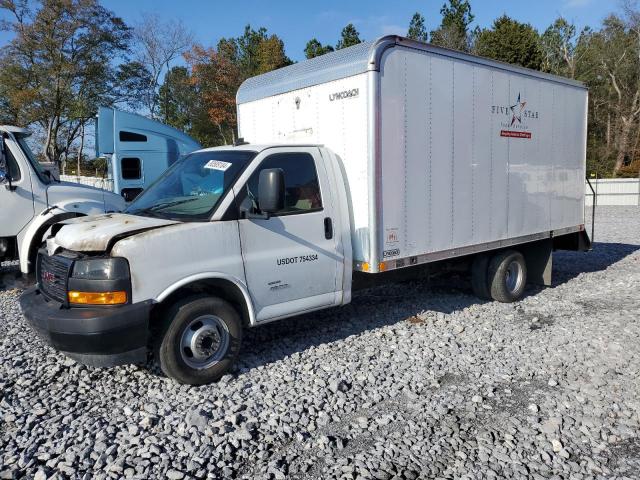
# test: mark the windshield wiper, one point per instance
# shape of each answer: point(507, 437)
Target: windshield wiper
point(153, 209)
point(146, 212)
point(173, 203)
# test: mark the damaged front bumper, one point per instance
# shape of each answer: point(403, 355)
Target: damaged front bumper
point(94, 336)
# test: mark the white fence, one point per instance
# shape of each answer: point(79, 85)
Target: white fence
point(610, 191)
point(615, 191)
point(97, 182)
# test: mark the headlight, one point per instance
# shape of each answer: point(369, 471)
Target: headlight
point(101, 269)
point(99, 281)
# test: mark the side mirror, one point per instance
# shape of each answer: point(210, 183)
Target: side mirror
point(271, 190)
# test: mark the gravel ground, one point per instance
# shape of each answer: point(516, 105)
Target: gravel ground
point(408, 381)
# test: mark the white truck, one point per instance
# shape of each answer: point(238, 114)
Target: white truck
point(376, 163)
point(137, 149)
point(32, 199)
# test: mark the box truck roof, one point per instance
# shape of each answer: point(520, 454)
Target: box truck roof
point(257, 148)
point(359, 59)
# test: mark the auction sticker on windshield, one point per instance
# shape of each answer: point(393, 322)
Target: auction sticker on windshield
point(217, 165)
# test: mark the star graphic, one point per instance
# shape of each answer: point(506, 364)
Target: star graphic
point(517, 116)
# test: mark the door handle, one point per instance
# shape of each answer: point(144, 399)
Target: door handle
point(328, 228)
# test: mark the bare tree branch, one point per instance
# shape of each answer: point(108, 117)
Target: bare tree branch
point(160, 43)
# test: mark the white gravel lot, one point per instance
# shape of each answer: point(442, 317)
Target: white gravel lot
point(408, 381)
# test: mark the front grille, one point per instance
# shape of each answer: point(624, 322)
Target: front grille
point(53, 273)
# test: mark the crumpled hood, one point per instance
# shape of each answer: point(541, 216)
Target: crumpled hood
point(93, 234)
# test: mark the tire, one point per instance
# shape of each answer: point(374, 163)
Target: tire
point(480, 277)
point(199, 341)
point(507, 276)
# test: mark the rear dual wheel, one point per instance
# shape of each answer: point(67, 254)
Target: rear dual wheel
point(501, 277)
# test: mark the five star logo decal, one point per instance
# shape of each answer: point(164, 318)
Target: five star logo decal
point(516, 118)
point(517, 110)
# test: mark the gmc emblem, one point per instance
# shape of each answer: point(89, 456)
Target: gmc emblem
point(48, 277)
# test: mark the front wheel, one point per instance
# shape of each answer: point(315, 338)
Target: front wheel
point(200, 340)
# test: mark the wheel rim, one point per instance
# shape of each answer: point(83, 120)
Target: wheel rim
point(513, 277)
point(204, 342)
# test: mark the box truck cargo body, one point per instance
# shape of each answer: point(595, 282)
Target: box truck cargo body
point(444, 153)
point(384, 161)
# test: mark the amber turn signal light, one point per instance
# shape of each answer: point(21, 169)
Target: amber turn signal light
point(97, 298)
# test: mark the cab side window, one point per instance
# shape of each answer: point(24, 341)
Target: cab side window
point(12, 165)
point(302, 189)
point(131, 168)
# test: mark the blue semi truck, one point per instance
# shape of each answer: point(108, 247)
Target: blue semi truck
point(138, 150)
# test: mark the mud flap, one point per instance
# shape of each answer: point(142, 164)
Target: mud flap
point(584, 242)
point(539, 258)
point(577, 242)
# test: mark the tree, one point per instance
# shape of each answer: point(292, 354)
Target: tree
point(417, 30)
point(248, 47)
point(177, 99)
point(216, 79)
point(132, 85)
point(613, 68)
point(600, 137)
point(158, 44)
point(58, 67)
point(631, 10)
point(559, 48)
point(454, 28)
point(348, 37)
point(216, 75)
point(314, 49)
point(271, 55)
point(8, 115)
point(254, 52)
point(512, 42)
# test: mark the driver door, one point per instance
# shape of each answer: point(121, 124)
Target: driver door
point(293, 261)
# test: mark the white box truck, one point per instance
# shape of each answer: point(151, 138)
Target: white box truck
point(32, 199)
point(137, 150)
point(376, 163)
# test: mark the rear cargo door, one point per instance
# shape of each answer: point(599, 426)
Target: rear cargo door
point(291, 260)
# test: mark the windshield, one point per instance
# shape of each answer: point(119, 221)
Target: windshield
point(40, 171)
point(192, 187)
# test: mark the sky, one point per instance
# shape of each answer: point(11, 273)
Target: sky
point(297, 21)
